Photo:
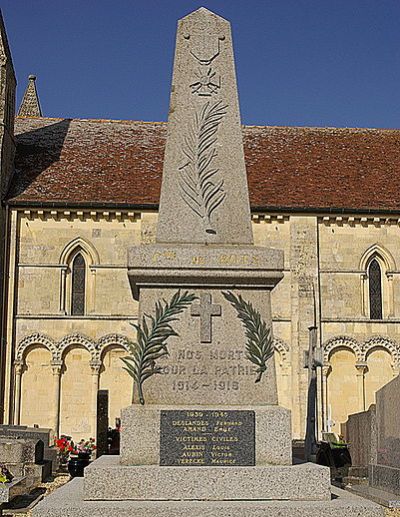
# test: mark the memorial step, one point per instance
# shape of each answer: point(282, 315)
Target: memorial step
point(68, 501)
point(105, 478)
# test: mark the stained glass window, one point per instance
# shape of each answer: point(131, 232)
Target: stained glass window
point(78, 286)
point(375, 290)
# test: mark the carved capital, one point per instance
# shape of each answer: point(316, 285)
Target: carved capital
point(326, 370)
point(361, 368)
point(18, 366)
point(95, 366)
point(56, 367)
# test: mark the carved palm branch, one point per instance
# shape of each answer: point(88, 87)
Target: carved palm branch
point(200, 188)
point(259, 346)
point(152, 335)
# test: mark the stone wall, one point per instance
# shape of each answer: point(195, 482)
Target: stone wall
point(56, 361)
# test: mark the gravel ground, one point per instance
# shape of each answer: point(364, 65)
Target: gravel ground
point(392, 512)
point(49, 486)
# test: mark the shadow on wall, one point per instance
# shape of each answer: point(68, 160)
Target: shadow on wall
point(36, 151)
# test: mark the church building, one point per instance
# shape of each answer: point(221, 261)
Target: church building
point(77, 193)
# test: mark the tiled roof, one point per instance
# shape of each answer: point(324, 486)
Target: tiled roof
point(120, 162)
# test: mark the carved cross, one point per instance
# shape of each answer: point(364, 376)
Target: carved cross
point(206, 310)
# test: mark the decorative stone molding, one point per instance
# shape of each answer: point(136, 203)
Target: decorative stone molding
point(382, 342)
point(376, 250)
point(58, 214)
point(342, 342)
point(112, 340)
point(77, 340)
point(32, 340)
point(362, 350)
point(96, 348)
point(352, 220)
point(79, 244)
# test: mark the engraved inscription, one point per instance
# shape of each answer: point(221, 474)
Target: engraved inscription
point(213, 438)
point(198, 180)
point(212, 370)
point(206, 310)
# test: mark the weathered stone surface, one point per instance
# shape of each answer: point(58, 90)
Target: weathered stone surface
point(27, 433)
point(68, 501)
point(20, 451)
point(140, 436)
point(384, 471)
point(384, 477)
point(360, 432)
point(387, 424)
point(209, 373)
point(173, 265)
point(204, 195)
point(10, 490)
point(106, 479)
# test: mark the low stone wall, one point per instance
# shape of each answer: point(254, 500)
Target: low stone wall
point(374, 438)
point(384, 471)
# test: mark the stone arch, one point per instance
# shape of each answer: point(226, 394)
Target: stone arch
point(112, 340)
point(381, 342)
point(382, 254)
point(79, 244)
point(78, 340)
point(342, 342)
point(32, 340)
point(113, 377)
point(283, 348)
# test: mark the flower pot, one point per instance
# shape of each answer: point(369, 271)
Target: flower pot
point(77, 464)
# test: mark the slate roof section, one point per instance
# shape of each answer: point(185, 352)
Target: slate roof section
point(89, 162)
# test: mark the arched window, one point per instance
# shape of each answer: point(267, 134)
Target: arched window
point(377, 266)
point(375, 290)
point(78, 286)
point(78, 262)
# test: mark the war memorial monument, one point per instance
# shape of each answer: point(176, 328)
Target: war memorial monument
point(205, 435)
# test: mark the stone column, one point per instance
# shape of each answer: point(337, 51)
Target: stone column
point(390, 295)
point(363, 288)
point(95, 366)
point(18, 366)
point(362, 368)
point(326, 370)
point(63, 292)
point(56, 367)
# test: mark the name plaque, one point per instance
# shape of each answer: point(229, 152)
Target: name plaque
point(207, 438)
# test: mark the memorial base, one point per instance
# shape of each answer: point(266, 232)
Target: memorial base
point(68, 501)
point(140, 437)
point(107, 479)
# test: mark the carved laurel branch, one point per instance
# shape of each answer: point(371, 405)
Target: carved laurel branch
point(259, 346)
point(152, 335)
point(199, 187)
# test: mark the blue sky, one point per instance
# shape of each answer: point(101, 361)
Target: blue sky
point(299, 62)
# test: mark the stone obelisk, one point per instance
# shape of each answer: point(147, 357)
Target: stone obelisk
point(204, 238)
point(204, 197)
